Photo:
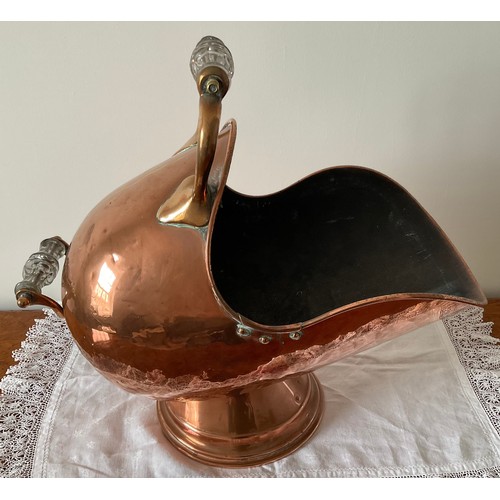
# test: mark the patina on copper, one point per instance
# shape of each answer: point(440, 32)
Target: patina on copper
point(223, 322)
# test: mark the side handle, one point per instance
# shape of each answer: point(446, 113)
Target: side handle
point(40, 270)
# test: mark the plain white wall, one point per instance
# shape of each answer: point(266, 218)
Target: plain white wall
point(84, 107)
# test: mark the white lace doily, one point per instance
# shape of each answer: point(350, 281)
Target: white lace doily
point(37, 392)
point(479, 354)
point(26, 391)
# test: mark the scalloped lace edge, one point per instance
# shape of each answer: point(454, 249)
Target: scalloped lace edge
point(28, 385)
point(26, 391)
point(479, 355)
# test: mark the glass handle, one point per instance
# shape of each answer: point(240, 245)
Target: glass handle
point(211, 52)
point(40, 270)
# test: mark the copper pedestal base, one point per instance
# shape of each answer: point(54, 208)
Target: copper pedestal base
point(247, 426)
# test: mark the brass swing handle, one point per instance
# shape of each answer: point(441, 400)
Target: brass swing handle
point(212, 68)
point(40, 270)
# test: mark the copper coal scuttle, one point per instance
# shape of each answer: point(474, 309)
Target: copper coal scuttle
point(220, 305)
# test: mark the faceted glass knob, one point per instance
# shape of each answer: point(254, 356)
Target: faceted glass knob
point(211, 51)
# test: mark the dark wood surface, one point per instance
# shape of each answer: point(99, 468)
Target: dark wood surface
point(13, 328)
point(15, 324)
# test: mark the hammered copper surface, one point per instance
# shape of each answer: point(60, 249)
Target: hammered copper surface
point(140, 299)
point(132, 285)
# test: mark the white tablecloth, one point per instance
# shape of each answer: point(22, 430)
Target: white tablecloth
point(424, 404)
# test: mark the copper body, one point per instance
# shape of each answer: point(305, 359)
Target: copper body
point(222, 322)
point(140, 301)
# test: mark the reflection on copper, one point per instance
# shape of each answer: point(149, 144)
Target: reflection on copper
point(106, 278)
point(99, 336)
point(101, 298)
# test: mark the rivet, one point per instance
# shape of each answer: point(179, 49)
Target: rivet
point(241, 331)
point(265, 339)
point(212, 86)
point(295, 335)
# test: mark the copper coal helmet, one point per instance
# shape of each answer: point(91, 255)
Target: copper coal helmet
point(220, 305)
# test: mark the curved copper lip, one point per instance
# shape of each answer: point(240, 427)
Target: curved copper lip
point(286, 328)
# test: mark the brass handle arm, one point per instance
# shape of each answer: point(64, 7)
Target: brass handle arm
point(212, 68)
point(40, 270)
point(208, 130)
